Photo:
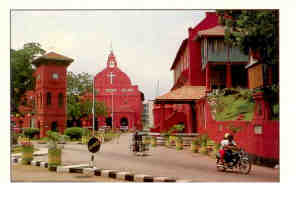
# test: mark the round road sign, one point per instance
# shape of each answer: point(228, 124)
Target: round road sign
point(94, 145)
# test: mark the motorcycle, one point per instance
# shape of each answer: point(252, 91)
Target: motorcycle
point(240, 161)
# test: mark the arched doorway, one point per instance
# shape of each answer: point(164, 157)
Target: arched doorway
point(54, 126)
point(108, 121)
point(124, 121)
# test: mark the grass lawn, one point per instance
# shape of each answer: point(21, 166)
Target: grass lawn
point(229, 107)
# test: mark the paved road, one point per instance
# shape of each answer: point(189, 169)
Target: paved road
point(164, 162)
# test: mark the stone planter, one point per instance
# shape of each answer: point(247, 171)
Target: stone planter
point(153, 141)
point(179, 144)
point(54, 157)
point(27, 154)
point(84, 139)
point(172, 140)
point(194, 148)
point(167, 142)
point(146, 140)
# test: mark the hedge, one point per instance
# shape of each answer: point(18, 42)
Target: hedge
point(74, 132)
point(31, 132)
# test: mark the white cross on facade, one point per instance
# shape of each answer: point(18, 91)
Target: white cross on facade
point(111, 75)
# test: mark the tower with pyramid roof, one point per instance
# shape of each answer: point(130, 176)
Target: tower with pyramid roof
point(50, 92)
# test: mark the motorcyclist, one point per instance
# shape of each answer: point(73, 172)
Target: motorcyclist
point(227, 145)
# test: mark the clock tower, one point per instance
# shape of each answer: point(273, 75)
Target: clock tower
point(50, 91)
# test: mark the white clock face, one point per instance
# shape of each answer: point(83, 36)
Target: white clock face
point(55, 75)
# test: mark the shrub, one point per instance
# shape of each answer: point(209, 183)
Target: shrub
point(176, 128)
point(204, 139)
point(31, 132)
point(74, 132)
point(54, 138)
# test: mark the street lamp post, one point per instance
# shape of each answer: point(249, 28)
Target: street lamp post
point(112, 110)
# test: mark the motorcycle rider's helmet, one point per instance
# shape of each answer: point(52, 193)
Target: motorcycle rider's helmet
point(230, 137)
point(226, 135)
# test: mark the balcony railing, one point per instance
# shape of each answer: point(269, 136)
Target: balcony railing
point(218, 51)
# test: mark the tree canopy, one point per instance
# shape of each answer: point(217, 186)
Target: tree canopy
point(257, 30)
point(77, 107)
point(22, 71)
point(78, 84)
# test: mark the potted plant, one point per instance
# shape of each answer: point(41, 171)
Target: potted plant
point(27, 151)
point(210, 146)
point(166, 138)
point(21, 138)
point(179, 143)
point(85, 136)
point(54, 151)
point(203, 149)
point(195, 145)
point(172, 140)
point(153, 141)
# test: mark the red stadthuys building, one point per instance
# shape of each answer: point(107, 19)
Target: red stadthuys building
point(124, 100)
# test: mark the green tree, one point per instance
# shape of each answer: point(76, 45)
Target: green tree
point(77, 109)
point(22, 71)
point(253, 29)
point(77, 86)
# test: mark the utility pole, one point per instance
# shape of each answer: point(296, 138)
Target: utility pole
point(93, 107)
point(111, 75)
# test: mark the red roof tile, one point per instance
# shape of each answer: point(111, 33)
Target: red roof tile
point(215, 31)
point(52, 56)
point(185, 93)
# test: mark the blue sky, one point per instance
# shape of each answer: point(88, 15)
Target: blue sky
point(144, 42)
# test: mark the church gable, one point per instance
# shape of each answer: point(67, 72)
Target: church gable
point(112, 77)
point(123, 99)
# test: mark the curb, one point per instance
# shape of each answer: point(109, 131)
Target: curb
point(84, 169)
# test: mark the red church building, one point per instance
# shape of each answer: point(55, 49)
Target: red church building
point(204, 63)
point(124, 100)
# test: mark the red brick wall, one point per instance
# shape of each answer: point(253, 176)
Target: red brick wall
point(264, 145)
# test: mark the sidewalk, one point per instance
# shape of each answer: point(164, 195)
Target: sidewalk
point(41, 151)
point(28, 173)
